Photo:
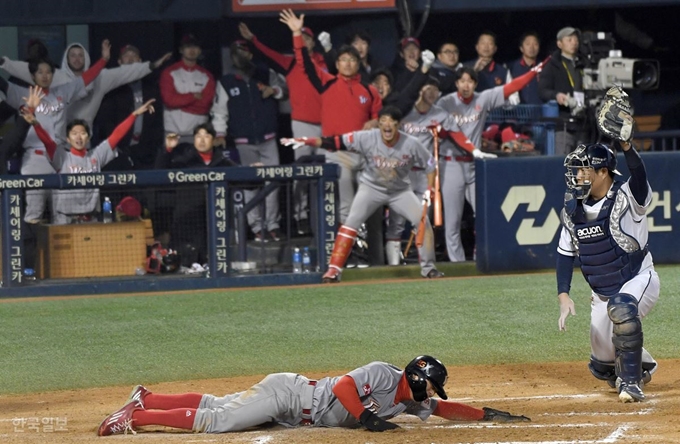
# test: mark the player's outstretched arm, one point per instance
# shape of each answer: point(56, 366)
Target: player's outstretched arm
point(456, 411)
point(331, 143)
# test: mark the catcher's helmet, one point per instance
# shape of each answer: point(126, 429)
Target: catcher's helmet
point(595, 156)
point(420, 370)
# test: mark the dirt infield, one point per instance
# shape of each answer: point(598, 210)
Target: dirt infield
point(566, 405)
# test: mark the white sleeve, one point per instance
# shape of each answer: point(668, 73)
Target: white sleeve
point(17, 69)
point(110, 79)
point(220, 110)
point(278, 82)
point(514, 97)
point(565, 245)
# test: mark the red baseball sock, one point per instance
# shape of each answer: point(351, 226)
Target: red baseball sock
point(178, 418)
point(154, 401)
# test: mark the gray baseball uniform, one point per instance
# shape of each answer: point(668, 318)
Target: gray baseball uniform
point(458, 173)
point(69, 203)
point(290, 399)
point(385, 181)
point(417, 124)
point(107, 80)
point(51, 114)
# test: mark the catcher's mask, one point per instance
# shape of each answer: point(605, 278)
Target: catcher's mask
point(420, 370)
point(595, 156)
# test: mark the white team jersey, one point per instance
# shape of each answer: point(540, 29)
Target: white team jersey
point(633, 222)
point(387, 167)
point(80, 201)
point(418, 124)
point(471, 117)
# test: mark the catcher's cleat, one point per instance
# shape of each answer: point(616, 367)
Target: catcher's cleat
point(332, 276)
point(646, 379)
point(120, 421)
point(138, 394)
point(434, 274)
point(630, 391)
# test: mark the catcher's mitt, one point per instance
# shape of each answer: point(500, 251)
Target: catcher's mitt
point(615, 115)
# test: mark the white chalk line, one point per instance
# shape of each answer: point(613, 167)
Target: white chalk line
point(610, 439)
point(511, 426)
point(525, 398)
point(569, 414)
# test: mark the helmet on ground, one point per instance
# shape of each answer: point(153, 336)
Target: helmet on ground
point(422, 369)
point(595, 156)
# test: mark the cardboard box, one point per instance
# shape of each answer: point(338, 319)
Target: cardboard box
point(90, 250)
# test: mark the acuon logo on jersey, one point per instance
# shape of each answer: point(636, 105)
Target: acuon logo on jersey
point(588, 232)
point(367, 389)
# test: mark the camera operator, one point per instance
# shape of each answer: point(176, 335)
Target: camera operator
point(562, 80)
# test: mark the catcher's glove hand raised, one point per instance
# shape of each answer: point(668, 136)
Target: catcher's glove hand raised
point(501, 416)
point(615, 115)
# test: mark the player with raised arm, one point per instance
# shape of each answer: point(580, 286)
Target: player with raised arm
point(605, 224)
point(83, 205)
point(469, 109)
point(389, 155)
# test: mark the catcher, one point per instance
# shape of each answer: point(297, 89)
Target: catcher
point(605, 225)
point(365, 397)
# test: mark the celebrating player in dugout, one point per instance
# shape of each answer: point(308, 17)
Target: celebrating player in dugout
point(605, 225)
point(390, 154)
point(365, 397)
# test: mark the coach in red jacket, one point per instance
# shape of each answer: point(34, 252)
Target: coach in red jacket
point(305, 104)
point(347, 104)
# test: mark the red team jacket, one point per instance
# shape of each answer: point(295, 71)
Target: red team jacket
point(305, 100)
point(346, 103)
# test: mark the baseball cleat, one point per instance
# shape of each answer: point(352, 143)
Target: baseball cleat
point(434, 274)
point(138, 394)
point(630, 391)
point(120, 421)
point(332, 276)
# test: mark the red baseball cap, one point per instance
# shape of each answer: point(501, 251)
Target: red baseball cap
point(130, 207)
point(408, 41)
point(508, 134)
point(307, 31)
point(490, 132)
point(127, 48)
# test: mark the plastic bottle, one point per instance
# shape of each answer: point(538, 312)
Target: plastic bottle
point(107, 211)
point(297, 261)
point(306, 261)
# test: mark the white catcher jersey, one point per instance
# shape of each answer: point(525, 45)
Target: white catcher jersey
point(387, 168)
point(377, 385)
point(471, 117)
point(633, 222)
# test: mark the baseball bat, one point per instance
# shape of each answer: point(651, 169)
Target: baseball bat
point(420, 235)
point(410, 242)
point(438, 219)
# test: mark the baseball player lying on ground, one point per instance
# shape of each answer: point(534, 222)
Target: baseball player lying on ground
point(367, 396)
point(390, 155)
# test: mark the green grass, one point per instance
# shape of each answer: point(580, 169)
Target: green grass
point(79, 343)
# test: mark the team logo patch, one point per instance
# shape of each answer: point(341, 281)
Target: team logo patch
point(363, 99)
point(234, 92)
point(367, 389)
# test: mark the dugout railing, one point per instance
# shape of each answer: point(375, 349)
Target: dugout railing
point(72, 259)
